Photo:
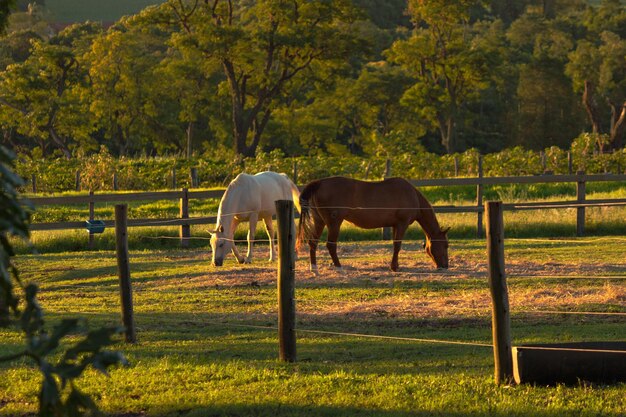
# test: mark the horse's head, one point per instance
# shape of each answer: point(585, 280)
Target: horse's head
point(437, 248)
point(220, 245)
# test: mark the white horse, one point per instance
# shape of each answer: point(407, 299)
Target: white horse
point(250, 198)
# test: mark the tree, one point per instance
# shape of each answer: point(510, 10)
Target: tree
point(41, 97)
point(122, 66)
point(194, 88)
point(448, 68)
point(6, 6)
point(262, 48)
point(597, 68)
point(543, 92)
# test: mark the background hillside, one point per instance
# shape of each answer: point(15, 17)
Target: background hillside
point(67, 11)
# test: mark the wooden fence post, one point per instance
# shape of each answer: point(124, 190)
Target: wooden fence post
point(123, 268)
point(77, 180)
point(115, 181)
point(92, 214)
point(185, 229)
point(456, 166)
point(286, 280)
point(479, 200)
point(174, 178)
point(500, 319)
point(387, 231)
point(33, 183)
point(580, 198)
point(295, 172)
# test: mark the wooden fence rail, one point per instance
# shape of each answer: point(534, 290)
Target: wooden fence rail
point(184, 196)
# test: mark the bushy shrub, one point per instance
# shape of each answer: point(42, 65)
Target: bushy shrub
point(222, 165)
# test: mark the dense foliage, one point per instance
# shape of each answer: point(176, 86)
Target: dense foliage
point(101, 171)
point(368, 78)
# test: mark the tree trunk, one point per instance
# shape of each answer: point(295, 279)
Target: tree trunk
point(189, 140)
point(618, 129)
point(591, 106)
point(59, 143)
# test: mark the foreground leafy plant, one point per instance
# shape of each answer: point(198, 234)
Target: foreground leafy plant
point(59, 395)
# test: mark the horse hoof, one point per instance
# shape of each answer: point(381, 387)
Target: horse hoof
point(339, 269)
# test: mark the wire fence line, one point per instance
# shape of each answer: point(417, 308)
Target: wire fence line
point(349, 334)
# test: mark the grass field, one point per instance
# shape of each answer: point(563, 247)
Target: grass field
point(197, 355)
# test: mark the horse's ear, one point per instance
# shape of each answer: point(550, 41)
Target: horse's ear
point(219, 229)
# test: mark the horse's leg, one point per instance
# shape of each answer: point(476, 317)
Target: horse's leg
point(234, 249)
point(398, 234)
point(331, 243)
point(316, 233)
point(269, 227)
point(254, 218)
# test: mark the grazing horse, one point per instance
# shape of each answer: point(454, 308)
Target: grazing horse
point(249, 198)
point(393, 202)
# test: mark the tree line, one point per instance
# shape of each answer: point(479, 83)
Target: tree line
point(362, 77)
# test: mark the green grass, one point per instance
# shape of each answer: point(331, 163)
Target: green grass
point(196, 357)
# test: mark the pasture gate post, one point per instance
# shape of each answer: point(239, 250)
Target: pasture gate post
point(185, 229)
point(123, 268)
point(92, 215)
point(479, 199)
point(387, 231)
point(500, 318)
point(286, 280)
point(580, 199)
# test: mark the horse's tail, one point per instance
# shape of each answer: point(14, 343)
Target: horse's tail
point(304, 224)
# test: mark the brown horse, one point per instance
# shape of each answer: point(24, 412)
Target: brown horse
point(393, 202)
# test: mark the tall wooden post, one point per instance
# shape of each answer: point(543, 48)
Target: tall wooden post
point(77, 180)
point(456, 166)
point(115, 187)
point(580, 198)
point(387, 231)
point(123, 268)
point(92, 215)
point(500, 319)
point(174, 178)
point(286, 280)
point(185, 229)
point(479, 199)
point(33, 183)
